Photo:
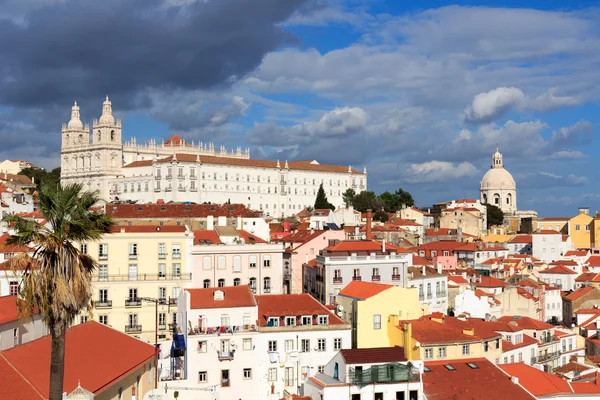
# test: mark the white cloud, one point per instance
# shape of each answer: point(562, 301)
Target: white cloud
point(549, 102)
point(579, 133)
point(439, 171)
point(490, 105)
point(339, 121)
point(568, 154)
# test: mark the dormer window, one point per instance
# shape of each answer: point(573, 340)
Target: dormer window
point(306, 320)
point(422, 253)
point(273, 321)
point(323, 319)
point(290, 321)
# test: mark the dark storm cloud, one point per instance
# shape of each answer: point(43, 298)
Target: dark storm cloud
point(85, 49)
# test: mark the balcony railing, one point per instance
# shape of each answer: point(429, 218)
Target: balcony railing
point(133, 302)
point(103, 304)
point(440, 293)
point(173, 301)
point(375, 278)
point(357, 278)
point(103, 257)
point(395, 277)
point(144, 277)
point(176, 256)
point(225, 355)
point(133, 328)
point(224, 382)
point(385, 373)
point(548, 339)
point(162, 327)
point(219, 330)
point(338, 279)
point(547, 357)
point(267, 290)
point(162, 256)
point(133, 256)
point(421, 297)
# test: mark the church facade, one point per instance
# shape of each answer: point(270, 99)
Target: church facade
point(179, 171)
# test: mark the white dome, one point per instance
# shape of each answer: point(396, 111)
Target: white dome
point(498, 178)
point(75, 124)
point(107, 118)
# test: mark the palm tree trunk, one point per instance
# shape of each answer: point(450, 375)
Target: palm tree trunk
point(57, 366)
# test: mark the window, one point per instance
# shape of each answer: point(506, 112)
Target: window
point(237, 264)
point(176, 249)
point(133, 319)
point(267, 285)
point(337, 343)
point(132, 272)
point(267, 261)
point(520, 357)
point(84, 248)
point(236, 282)
point(320, 344)
point(176, 271)
point(323, 320)
point(290, 321)
point(102, 251)
point(207, 262)
point(289, 376)
point(428, 354)
point(441, 352)
point(272, 374)
point(377, 321)
point(247, 344)
point(133, 251)
point(306, 320)
point(587, 227)
point(321, 369)
point(202, 376)
point(252, 261)
point(465, 349)
point(272, 345)
point(252, 284)
point(103, 319)
point(305, 345)
point(162, 270)
point(221, 262)
point(289, 345)
point(247, 373)
point(221, 282)
point(378, 396)
point(225, 378)
point(577, 227)
point(206, 284)
point(103, 272)
point(162, 251)
point(83, 319)
point(14, 288)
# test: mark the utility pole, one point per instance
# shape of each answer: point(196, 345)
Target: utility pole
point(156, 303)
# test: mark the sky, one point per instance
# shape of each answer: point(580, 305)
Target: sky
point(420, 93)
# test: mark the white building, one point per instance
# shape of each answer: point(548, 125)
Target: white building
point(14, 201)
point(14, 166)
point(477, 304)
point(252, 347)
point(559, 276)
point(376, 373)
point(432, 286)
point(179, 171)
point(348, 216)
point(547, 245)
point(520, 244)
point(14, 330)
point(364, 260)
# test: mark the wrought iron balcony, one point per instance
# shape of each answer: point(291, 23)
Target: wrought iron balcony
point(225, 356)
point(357, 278)
point(375, 278)
point(133, 328)
point(395, 277)
point(552, 355)
point(103, 257)
point(143, 277)
point(162, 327)
point(103, 304)
point(133, 302)
point(338, 279)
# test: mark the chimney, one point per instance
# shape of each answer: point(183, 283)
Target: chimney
point(368, 228)
point(423, 270)
point(306, 259)
point(286, 226)
point(239, 222)
point(383, 246)
point(33, 180)
point(439, 268)
point(210, 223)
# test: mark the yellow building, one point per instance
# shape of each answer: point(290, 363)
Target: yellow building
point(580, 227)
point(139, 265)
point(366, 306)
point(430, 338)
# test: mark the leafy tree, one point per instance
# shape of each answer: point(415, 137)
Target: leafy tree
point(349, 196)
point(391, 202)
point(495, 216)
point(381, 216)
point(42, 177)
point(405, 198)
point(321, 201)
point(58, 278)
point(367, 200)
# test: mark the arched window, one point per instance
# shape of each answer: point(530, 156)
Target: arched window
point(509, 199)
point(252, 284)
point(112, 136)
point(267, 285)
point(496, 199)
point(99, 135)
point(485, 198)
point(221, 282)
point(206, 284)
point(236, 282)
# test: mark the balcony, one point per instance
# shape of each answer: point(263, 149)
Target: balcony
point(225, 355)
point(169, 177)
point(552, 355)
point(176, 256)
point(193, 177)
point(395, 277)
point(357, 278)
point(386, 373)
point(158, 177)
point(162, 256)
point(133, 302)
point(375, 278)
point(103, 304)
point(421, 297)
point(548, 339)
point(267, 290)
point(162, 327)
point(441, 293)
point(133, 256)
point(103, 257)
point(173, 301)
point(133, 328)
point(221, 330)
point(143, 277)
point(157, 189)
point(224, 382)
point(338, 279)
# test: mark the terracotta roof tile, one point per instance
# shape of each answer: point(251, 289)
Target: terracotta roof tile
point(521, 239)
point(363, 290)
point(527, 341)
point(526, 322)
point(559, 269)
point(588, 277)
point(249, 237)
point(157, 211)
point(374, 355)
point(97, 367)
point(430, 332)
point(463, 382)
point(13, 385)
point(147, 229)
point(566, 263)
point(576, 253)
point(364, 245)
point(233, 297)
point(4, 248)
point(458, 279)
point(546, 232)
point(576, 294)
point(9, 310)
point(593, 261)
point(489, 281)
point(282, 305)
point(206, 237)
point(540, 383)
point(420, 261)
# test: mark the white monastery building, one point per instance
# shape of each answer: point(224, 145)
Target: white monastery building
point(179, 171)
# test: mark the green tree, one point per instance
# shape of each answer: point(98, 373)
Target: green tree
point(367, 200)
point(495, 216)
point(391, 202)
point(349, 196)
point(405, 198)
point(381, 216)
point(58, 278)
point(321, 201)
point(42, 177)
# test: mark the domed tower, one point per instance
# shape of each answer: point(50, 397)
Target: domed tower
point(498, 186)
point(106, 130)
point(74, 144)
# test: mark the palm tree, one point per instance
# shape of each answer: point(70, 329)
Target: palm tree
point(57, 281)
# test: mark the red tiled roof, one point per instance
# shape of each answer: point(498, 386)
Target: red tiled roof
point(457, 279)
point(233, 297)
point(147, 228)
point(588, 277)
point(13, 385)
point(463, 382)
point(564, 262)
point(12, 248)
point(249, 237)
point(429, 332)
point(440, 232)
point(420, 261)
point(472, 201)
point(576, 253)
point(489, 281)
point(18, 178)
point(364, 245)
point(282, 305)
point(540, 383)
point(593, 261)
point(526, 322)
point(559, 269)
point(573, 367)
point(169, 211)
point(527, 341)
point(373, 355)
point(555, 218)
point(521, 239)
point(206, 237)
point(97, 366)
point(576, 294)
point(9, 311)
point(302, 237)
point(546, 232)
point(313, 263)
point(363, 290)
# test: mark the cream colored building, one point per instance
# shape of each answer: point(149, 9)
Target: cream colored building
point(498, 187)
point(138, 262)
point(13, 166)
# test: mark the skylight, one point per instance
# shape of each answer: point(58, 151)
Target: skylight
point(472, 366)
point(425, 369)
point(450, 367)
